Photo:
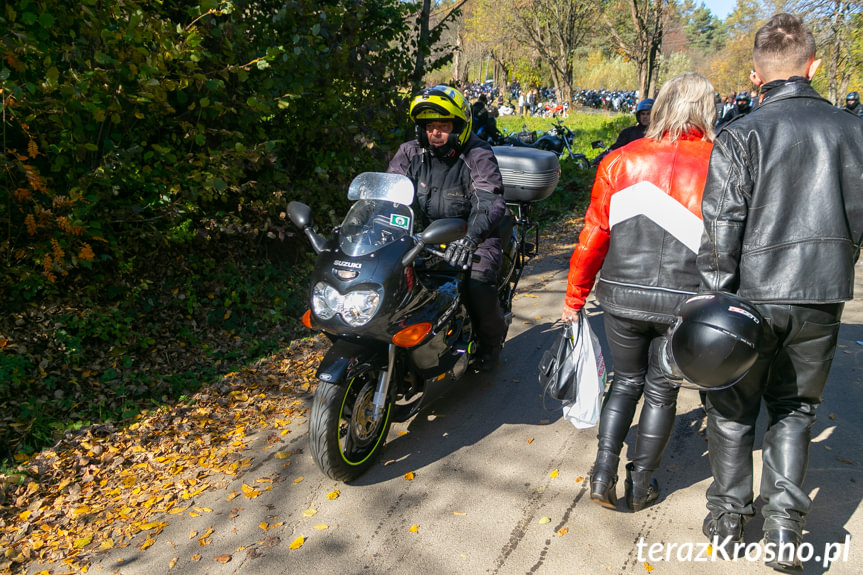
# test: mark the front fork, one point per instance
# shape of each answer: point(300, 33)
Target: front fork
point(379, 401)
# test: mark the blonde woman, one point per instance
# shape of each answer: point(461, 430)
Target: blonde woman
point(642, 231)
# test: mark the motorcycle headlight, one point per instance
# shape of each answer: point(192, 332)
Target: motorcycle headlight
point(356, 307)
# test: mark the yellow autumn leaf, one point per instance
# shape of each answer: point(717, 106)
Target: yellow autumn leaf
point(283, 454)
point(81, 510)
point(153, 525)
point(24, 515)
point(333, 495)
point(309, 512)
point(553, 473)
point(562, 531)
point(263, 525)
point(106, 544)
point(298, 479)
point(148, 543)
point(414, 528)
point(579, 479)
point(196, 557)
point(529, 441)
point(173, 562)
point(83, 541)
point(250, 491)
point(529, 295)
point(277, 525)
point(297, 543)
point(545, 520)
point(458, 513)
point(193, 534)
point(222, 558)
point(231, 496)
point(321, 526)
point(648, 566)
point(193, 514)
point(409, 476)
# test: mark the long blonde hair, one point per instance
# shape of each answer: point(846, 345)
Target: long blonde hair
point(684, 102)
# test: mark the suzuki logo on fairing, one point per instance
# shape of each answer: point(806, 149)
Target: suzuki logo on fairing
point(353, 265)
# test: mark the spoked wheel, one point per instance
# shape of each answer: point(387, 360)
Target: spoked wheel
point(344, 439)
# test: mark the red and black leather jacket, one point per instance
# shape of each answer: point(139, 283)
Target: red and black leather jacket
point(643, 229)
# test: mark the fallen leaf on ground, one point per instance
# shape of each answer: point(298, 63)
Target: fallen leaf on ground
point(321, 526)
point(173, 562)
point(648, 566)
point(545, 520)
point(562, 531)
point(298, 479)
point(409, 475)
point(414, 528)
point(297, 543)
point(309, 512)
point(458, 513)
point(553, 473)
point(222, 558)
point(333, 495)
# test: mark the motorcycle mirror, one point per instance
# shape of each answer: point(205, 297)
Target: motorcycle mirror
point(300, 214)
point(597, 144)
point(444, 231)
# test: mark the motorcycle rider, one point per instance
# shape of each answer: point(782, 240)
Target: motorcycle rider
point(456, 175)
point(643, 228)
point(632, 133)
point(743, 105)
point(852, 103)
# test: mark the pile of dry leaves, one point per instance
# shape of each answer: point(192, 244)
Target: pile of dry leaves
point(97, 488)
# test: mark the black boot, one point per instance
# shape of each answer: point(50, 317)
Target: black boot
point(603, 481)
point(781, 550)
point(642, 490)
point(726, 526)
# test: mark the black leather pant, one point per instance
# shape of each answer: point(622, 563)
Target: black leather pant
point(794, 361)
point(634, 349)
point(482, 299)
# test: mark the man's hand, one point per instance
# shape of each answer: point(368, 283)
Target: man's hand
point(458, 253)
point(569, 314)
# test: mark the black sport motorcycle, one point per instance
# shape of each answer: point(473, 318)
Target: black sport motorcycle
point(395, 313)
point(559, 140)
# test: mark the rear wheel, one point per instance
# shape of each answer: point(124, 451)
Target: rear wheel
point(344, 439)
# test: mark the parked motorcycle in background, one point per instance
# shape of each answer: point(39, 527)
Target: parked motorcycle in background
point(394, 310)
point(559, 140)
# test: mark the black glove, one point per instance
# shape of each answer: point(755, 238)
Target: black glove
point(458, 253)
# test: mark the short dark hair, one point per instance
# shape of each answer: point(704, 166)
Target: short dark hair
point(784, 42)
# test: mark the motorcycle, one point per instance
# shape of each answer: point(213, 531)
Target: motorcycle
point(395, 313)
point(558, 139)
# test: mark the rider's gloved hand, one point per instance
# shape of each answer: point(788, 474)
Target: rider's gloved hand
point(458, 253)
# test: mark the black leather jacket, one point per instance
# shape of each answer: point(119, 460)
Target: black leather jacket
point(466, 185)
point(783, 201)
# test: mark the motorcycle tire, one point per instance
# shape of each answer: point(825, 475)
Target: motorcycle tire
point(343, 439)
point(579, 160)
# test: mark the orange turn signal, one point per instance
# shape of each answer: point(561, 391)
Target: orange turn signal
point(410, 336)
point(307, 319)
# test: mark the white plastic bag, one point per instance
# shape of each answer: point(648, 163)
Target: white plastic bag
point(590, 376)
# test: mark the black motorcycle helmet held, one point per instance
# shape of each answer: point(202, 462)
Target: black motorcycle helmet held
point(713, 343)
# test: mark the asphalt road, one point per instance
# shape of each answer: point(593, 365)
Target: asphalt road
point(500, 485)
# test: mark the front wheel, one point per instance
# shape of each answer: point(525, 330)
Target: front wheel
point(579, 160)
point(344, 439)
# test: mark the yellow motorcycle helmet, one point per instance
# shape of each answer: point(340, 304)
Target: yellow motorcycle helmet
point(442, 103)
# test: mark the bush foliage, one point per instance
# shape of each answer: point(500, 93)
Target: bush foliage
point(149, 150)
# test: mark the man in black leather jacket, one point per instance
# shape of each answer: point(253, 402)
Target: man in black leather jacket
point(783, 219)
